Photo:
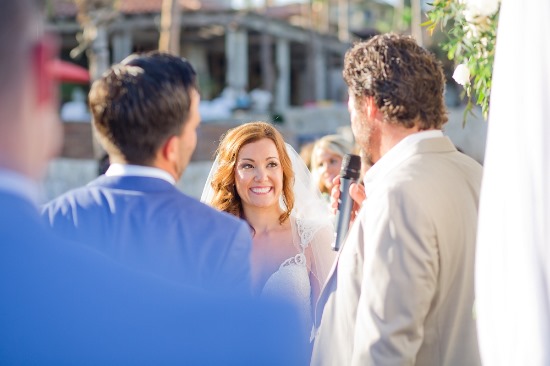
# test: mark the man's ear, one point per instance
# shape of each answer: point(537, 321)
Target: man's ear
point(170, 149)
point(370, 107)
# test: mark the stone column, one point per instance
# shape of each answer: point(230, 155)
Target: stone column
point(319, 69)
point(236, 51)
point(122, 45)
point(197, 54)
point(98, 54)
point(282, 90)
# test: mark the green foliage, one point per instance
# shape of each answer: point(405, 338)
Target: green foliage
point(470, 40)
point(407, 16)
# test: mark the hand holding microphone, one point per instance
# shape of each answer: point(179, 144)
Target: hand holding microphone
point(356, 192)
point(349, 174)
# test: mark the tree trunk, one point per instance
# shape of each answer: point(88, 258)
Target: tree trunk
point(170, 27)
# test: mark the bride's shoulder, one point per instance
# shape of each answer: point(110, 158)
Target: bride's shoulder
point(306, 228)
point(309, 222)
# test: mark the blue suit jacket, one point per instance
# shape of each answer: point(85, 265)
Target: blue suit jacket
point(148, 224)
point(62, 303)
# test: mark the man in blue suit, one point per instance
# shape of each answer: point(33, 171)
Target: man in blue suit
point(65, 303)
point(146, 112)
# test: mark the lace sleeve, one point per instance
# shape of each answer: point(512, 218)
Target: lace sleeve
point(314, 220)
point(319, 238)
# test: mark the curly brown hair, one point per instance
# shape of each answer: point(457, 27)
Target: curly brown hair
point(225, 196)
point(405, 80)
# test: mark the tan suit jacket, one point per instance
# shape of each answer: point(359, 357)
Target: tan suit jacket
point(402, 289)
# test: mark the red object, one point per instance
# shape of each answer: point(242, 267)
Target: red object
point(68, 72)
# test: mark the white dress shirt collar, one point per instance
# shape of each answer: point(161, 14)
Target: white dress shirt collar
point(20, 185)
point(128, 170)
point(395, 156)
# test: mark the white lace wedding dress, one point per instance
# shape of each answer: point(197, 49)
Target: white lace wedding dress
point(291, 281)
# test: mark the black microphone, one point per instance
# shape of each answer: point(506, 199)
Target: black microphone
point(349, 173)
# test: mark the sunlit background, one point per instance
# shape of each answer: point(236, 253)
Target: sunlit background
point(275, 60)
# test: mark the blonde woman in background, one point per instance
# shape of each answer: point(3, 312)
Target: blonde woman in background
point(326, 160)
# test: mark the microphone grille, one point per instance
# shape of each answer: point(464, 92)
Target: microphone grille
point(351, 166)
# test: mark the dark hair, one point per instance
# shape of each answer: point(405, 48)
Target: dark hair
point(405, 80)
point(140, 103)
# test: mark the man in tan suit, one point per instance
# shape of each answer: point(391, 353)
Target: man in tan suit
point(402, 291)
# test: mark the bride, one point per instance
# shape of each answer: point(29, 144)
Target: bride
point(259, 178)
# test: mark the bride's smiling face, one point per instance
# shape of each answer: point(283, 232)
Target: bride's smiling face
point(259, 174)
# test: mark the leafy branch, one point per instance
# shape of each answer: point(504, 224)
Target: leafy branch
point(470, 43)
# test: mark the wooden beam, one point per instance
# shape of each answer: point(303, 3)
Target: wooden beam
point(248, 21)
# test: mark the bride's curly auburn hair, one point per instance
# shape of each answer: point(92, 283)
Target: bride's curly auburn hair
point(225, 196)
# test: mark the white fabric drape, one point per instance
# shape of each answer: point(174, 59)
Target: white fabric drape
point(512, 269)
